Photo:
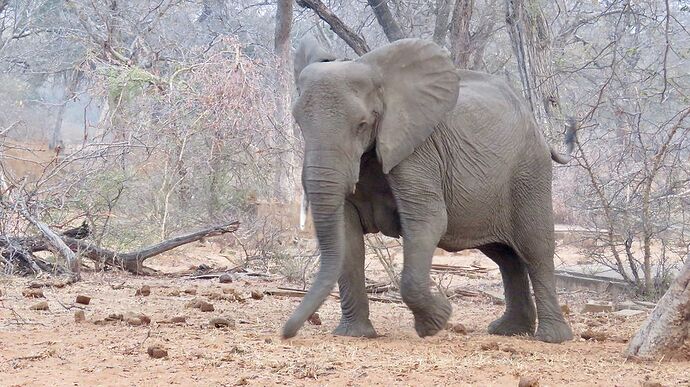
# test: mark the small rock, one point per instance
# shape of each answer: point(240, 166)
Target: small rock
point(225, 278)
point(174, 293)
point(84, 300)
point(268, 340)
point(314, 319)
point(565, 309)
point(195, 303)
point(509, 349)
point(219, 322)
point(257, 295)
point(79, 316)
point(591, 335)
point(133, 321)
point(33, 293)
point(528, 381)
point(146, 320)
point(114, 317)
point(40, 306)
point(203, 267)
point(597, 307)
point(191, 291)
point(457, 328)
point(628, 312)
point(490, 346)
point(651, 383)
point(206, 307)
point(143, 291)
point(242, 382)
point(157, 352)
point(178, 320)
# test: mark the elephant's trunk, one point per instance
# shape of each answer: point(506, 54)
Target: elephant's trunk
point(326, 187)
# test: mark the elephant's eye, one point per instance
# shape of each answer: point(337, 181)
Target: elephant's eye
point(361, 127)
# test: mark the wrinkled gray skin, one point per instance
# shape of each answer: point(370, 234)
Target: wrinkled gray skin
point(400, 142)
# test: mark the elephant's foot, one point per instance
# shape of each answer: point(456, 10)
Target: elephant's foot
point(356, 328)
point(512, 325)
point(554, 331)
point(433, 318)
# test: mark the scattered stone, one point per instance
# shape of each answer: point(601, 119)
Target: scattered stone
point(314, 319)
point(565, 309)
point(146, 320)
point(490, 346)
point(133, 321)
point(33, 293)
point(114, 317)
point(143, 291)
point(206, 307)
point(591, 335)
point(40, 306)
point(510, 350)
point(268, 340)
point(191, 291)
point(203, 267)
point(157, 351)
point(257, 295)
point(84, 300)
point(178, 320)
point(242, 382)
point(233, 295)
point(597, 307)
point(225, 278)
point(628, 312)
point(651, 383)
point(528, 381)
point(219, 322)
point(195, 303)
point(457, 328)
point(79, 316)
point(174, 293)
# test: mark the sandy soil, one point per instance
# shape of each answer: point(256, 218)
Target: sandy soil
point(49, 348)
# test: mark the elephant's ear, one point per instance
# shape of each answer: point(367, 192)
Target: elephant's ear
point(420, 85)
point(308, 52)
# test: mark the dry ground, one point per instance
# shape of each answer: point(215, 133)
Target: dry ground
point(49, 348)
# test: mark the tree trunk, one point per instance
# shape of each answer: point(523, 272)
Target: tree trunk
point(383, 14)
point(284, 173)
point(441, 24)
point(531, 41)
point(666, 332)
point(461, 44)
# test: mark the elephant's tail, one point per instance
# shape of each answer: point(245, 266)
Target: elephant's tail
point(569, 141)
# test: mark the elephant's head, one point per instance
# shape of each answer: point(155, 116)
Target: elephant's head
point(390, 99)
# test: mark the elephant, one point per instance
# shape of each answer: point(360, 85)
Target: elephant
point(399, 141)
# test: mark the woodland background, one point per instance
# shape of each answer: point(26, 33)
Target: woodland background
point(148, 118)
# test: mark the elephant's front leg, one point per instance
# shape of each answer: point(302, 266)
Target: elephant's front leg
point(353, 296)
point(423, 219)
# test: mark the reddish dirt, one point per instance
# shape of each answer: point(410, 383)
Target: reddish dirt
point(50, 348)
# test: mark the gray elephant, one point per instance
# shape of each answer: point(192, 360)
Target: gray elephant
point(401, 142)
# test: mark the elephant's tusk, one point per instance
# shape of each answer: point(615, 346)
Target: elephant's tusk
point(303, 208)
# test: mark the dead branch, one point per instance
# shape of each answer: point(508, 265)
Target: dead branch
point(56, 242)
point(350, 37)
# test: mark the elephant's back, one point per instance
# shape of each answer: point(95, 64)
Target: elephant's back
point(489, 112)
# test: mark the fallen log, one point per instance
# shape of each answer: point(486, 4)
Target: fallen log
point(130, 261)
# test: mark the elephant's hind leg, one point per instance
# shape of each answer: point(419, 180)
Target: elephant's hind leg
point(520, 315)
point(353, 297)
point(537, 251)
